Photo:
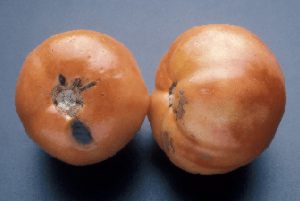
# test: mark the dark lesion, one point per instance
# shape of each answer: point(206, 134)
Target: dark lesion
point(178, 108)
point(81, 132)
point(68, 100)
point(61, 80)
point(87, 86)
point(172, 88)
point(76, 83)
point(177, 103)
point(168, 142)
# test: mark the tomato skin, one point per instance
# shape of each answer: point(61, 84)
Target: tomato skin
point(100, 77)
point(228, 100)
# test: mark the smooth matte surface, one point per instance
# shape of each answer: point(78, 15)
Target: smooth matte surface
point(141, 171)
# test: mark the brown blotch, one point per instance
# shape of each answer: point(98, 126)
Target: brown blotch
point(168, 142)
point(179, 107)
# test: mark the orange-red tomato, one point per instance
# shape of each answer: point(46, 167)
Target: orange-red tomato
point(81, 97)
point(218, 99)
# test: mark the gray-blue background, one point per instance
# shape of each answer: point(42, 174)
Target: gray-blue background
point(141, 171)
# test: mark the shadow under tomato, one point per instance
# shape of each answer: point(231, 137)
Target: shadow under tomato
point(186, 186)
point(107, 180)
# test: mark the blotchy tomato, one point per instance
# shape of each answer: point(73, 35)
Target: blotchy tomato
point(219, 97)
point(81, 97)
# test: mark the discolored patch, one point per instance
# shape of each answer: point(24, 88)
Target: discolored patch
point(205, 156)
point(81, 132)
point(178, 108)
point(67, 98)
point(168, 142)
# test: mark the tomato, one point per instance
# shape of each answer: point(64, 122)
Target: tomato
point(218, 99)
point(81, 96)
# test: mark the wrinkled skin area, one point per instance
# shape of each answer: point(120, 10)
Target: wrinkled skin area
point(97, 73)
point(228, 100)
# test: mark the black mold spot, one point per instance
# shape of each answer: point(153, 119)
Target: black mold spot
point(62, 80)
point(81, 132)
